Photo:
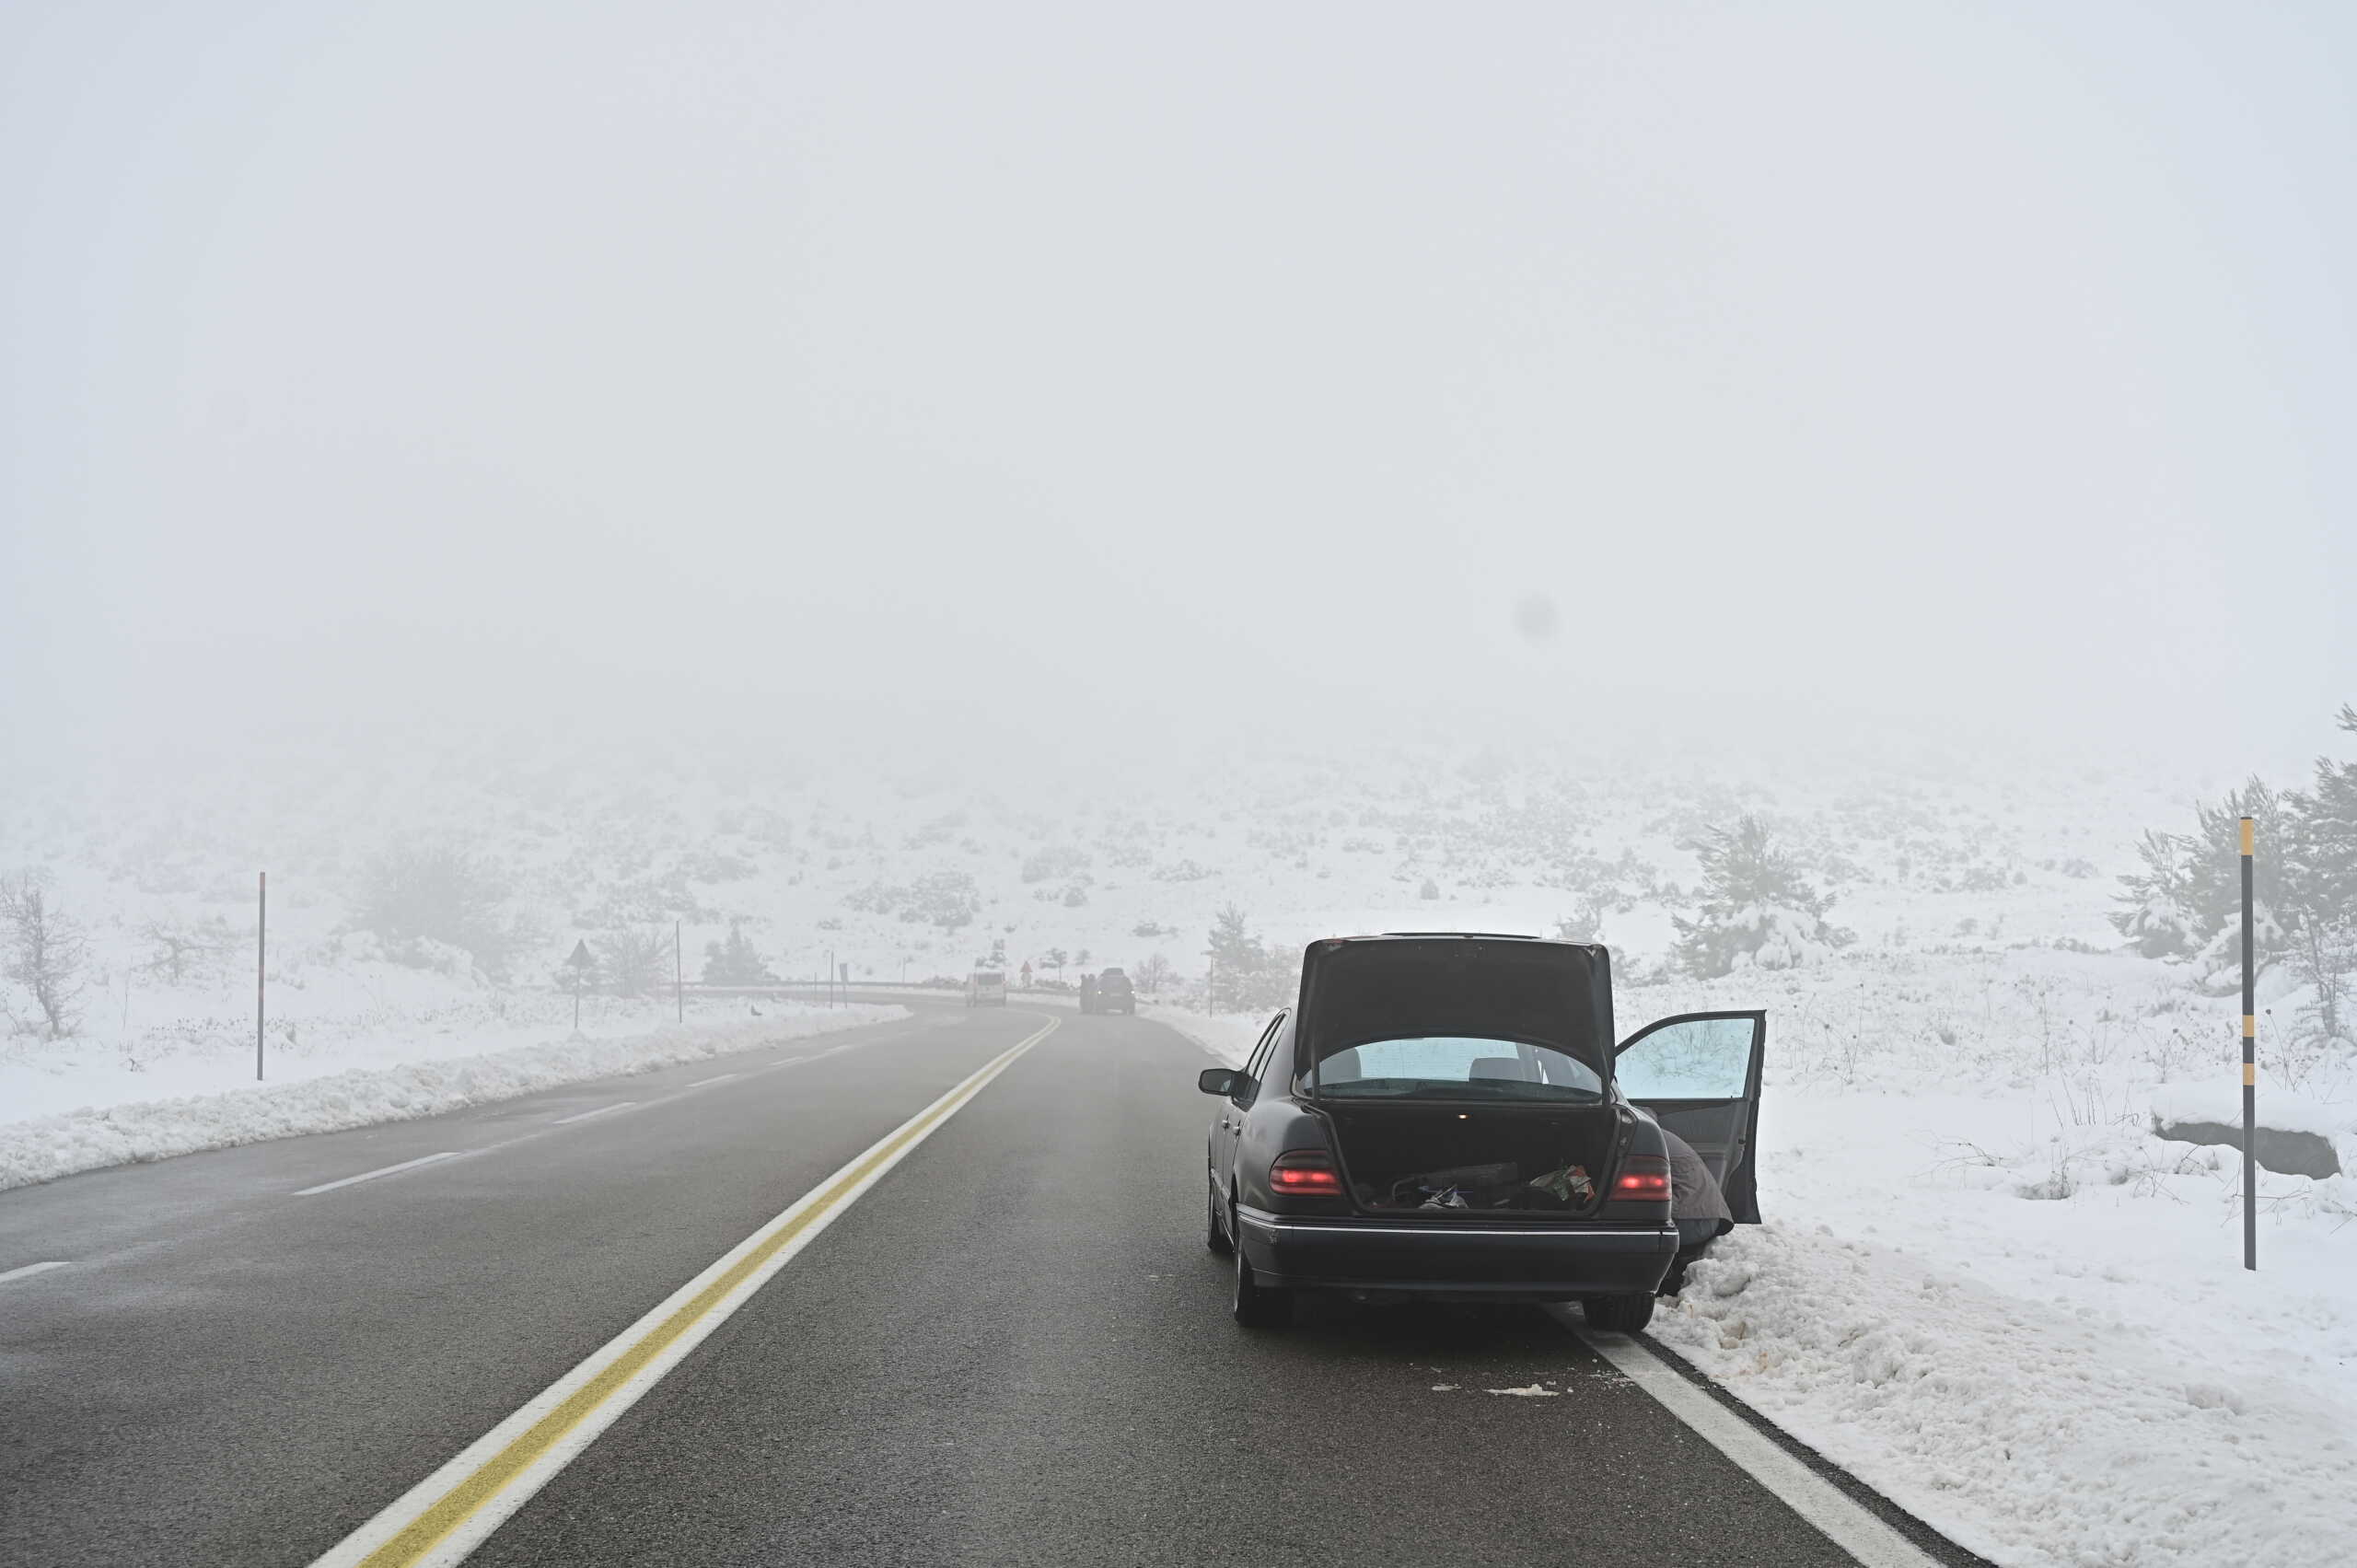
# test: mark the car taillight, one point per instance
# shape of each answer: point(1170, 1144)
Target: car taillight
point(1305, 1173)
point(1642, 1176)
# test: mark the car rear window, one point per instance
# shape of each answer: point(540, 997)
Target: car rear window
point(1455, 1067)
point(1550, 996)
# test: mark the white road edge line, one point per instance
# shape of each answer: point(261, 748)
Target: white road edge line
point(372, 1175)
point(32, 1268)
point(1834, 1513)
point(821, 1203)
point(586, 1115)
point(701, 1082)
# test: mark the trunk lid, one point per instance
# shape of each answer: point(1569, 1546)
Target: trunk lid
point(1464, 1077)
point(1554, 996)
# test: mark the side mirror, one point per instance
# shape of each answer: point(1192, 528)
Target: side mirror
point(1219, 1080)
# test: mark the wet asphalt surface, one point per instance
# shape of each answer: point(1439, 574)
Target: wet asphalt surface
point(1014, 1349)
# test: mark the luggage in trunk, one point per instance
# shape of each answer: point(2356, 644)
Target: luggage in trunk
point(1444, 1161)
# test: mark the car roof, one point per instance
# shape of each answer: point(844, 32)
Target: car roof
point(1468, 936)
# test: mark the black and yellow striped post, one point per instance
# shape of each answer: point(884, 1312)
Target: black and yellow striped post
point(2250, 1070)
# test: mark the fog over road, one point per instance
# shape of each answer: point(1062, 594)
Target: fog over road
point(1014, 1348)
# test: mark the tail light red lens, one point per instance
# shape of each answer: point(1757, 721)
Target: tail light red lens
point(1642, 1176)
point(1305, 1173)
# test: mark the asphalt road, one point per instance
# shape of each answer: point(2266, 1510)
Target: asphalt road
point(1013, 1350)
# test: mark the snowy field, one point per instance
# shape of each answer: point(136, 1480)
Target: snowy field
point(1986, 1287)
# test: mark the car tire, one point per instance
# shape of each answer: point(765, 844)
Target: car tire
point(1618, 1314)
point(1215, 1233)
point(1257, 1305)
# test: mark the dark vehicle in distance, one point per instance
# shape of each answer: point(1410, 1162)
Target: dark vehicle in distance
point(1110, 991)
point(1448, 1116)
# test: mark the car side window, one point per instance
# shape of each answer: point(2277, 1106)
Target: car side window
point(1257, 1063)
point(1276, 1075)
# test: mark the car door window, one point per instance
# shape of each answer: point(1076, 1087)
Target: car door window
point(1257, 1063)
point(1274, 1066)
point(1699, 1075)
point(1704, 1058)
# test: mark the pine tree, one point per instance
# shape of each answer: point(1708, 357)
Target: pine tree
point(2187, 902)
point(1757, 908)
point(2321, 856)
point(735, 961)
point(1244, 975)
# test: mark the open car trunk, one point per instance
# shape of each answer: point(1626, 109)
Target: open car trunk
point(1448, 1161)
point(1462, 1074)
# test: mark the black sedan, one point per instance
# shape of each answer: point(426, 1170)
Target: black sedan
point(1446, 1116)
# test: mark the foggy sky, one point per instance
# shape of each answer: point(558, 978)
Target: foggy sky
point(1818, 362)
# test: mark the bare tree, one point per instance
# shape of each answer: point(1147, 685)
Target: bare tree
point(177, 949)
point(42, 950)
point(1154, 974)
point(637, 963)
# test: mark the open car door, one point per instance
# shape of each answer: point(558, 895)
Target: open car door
point(1698, 1074)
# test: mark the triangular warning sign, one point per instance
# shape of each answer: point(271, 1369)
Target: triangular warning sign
point(581, 958)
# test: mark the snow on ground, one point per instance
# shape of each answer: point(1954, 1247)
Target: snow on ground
point(2032, 1431)
point(1225, 1037)
point(394, 1077)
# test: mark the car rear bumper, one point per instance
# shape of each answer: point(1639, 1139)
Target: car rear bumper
point(1376, 1257)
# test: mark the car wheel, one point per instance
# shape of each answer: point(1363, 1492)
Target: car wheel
point(1259, 1306)
point(1214, 1233)
point(1618, 1314)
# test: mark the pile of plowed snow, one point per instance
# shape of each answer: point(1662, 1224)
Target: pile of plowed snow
point(2034, 1434)
point(45, 1147)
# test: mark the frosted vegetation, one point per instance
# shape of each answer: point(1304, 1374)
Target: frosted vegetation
point(1944, 928)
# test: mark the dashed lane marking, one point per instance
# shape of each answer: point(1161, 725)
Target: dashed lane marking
point(586, 1115)
point(451, 1512)
point(382, 1170)
point(32, 1268)
point(565, 1121)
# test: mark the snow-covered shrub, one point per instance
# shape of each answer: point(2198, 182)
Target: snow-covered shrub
point(635, 962)
point(947, 898)
point(1055, 861)
point(414, 896)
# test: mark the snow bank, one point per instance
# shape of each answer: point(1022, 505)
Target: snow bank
point(1229, 1038)
point(2222, 1101)
point(46, 1147)
point(2036, 1436)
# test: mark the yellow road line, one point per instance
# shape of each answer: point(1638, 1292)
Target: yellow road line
point(445, 1516)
